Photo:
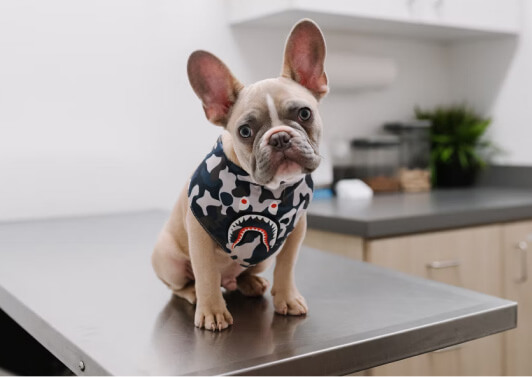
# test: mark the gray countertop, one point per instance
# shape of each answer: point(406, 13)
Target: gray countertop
point(396, 214)
point(84, 288)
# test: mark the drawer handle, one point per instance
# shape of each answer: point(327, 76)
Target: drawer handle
point(438, 265)
point(522, 247)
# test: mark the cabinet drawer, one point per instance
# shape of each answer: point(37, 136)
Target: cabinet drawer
point(469, 258)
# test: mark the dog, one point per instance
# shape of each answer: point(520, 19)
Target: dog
point(247, 199)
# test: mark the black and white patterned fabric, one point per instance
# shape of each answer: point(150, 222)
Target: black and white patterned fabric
point(247, 220)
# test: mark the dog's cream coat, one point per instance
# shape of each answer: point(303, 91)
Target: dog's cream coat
point(185, 257)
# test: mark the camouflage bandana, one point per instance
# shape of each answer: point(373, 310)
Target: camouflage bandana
point(250, 222)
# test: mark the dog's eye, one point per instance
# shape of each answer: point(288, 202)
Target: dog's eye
point(245, 131)
point(304, 114)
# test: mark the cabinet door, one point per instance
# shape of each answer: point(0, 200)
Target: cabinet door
point(495, 15)
point(517, 238)
point(343, 244)
point(468, 258)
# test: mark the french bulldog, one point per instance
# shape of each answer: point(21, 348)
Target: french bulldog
point(247, 199)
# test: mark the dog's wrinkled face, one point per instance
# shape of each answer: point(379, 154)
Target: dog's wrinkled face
point(276, 129)
point(274, 124)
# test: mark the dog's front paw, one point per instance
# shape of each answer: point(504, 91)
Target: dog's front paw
point(213, 316)
point(289, 302)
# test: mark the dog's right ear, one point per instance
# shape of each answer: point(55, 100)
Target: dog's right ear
point(304, 57)
point(214, 84)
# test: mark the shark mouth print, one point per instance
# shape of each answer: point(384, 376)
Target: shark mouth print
point(252, 223)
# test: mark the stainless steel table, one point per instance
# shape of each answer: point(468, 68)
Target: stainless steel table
point(84, 288)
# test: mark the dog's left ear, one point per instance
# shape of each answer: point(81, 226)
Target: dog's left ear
point(304, 57)
point(214, 84)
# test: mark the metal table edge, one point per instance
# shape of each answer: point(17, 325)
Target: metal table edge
point(69, 354)
point(500, 319)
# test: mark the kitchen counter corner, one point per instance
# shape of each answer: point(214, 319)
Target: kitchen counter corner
point(396, 214)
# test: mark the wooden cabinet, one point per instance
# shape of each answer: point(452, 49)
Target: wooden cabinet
point(469, 258)
point(343, 244)
point(517, 252)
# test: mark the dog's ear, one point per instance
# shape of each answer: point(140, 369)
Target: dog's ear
point(214, 84)
point(304, 57)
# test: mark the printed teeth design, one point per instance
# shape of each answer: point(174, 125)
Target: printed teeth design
point(243, 232)
point(240, 222)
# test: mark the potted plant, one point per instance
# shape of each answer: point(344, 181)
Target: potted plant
point(458, 149)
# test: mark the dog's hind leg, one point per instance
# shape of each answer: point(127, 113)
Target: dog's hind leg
point(188, 292)
point(173, 267)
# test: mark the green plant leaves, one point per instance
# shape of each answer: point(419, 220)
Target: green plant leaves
point(456, 135)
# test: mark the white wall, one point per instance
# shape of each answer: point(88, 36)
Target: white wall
point(496, 77)
point(96, 114)
point(422, 79)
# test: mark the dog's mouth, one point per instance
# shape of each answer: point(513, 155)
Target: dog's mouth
point(245, 229)
point(299, 158)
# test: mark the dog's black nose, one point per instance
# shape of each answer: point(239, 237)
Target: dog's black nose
point(280, 140)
